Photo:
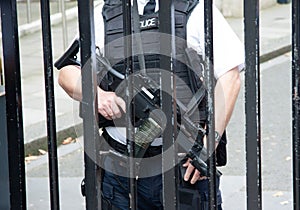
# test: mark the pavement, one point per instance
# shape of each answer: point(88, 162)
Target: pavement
point(275, 39)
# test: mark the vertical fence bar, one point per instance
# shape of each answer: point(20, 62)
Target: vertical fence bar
point(50, 105)
point(1, 73)
point(62, 9)
point(128, 69)
point(252, 105)
point(89, 107)
point(167, 51)
point(210, 82)
point(296, 101)
point(4, 172)
point(28, 8)
point(14, 117)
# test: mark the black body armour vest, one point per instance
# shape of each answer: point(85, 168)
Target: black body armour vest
point(187, 67)
point(187, 81)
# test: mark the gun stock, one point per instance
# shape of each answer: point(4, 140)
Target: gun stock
point(69, 57)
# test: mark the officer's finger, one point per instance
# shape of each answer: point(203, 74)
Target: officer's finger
point(195, 177)
point(188, 172)
point(116, 111)
point(121, 103)
point(107, 115)
point(104, 108)
point(186, 163)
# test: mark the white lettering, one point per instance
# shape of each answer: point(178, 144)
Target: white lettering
point(147, 23)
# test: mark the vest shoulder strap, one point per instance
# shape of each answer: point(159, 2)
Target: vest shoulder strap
point(112, 2)
point(185, 6)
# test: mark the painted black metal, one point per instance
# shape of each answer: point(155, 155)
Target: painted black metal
point(89, 107)
point(12, 173)
point(14, 117)
point(50, 105)
point(296, 101)
point(128, 67)
point(210, 83)
point(1, 73)
point(4, 172)
point(252, 105)
point(167, 26)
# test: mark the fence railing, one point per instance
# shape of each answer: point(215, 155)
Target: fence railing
point(295, 101)
point(252, 105)
point(13, 182)
point(29, 12)
point(13, 97)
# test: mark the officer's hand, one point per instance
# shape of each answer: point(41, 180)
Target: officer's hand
point(189, 171)
point(109, 104)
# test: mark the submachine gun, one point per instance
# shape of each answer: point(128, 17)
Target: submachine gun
point(149, 120)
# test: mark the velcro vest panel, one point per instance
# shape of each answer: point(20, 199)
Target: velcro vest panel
point(150, 37)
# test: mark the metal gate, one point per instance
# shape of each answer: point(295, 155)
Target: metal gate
point(12, 174)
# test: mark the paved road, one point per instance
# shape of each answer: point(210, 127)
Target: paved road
point(275, 138)
point(276, 152)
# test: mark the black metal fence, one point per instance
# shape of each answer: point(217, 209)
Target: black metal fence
point(252, 105)
point(13, 98)
point(295, 101)
point(13, 186)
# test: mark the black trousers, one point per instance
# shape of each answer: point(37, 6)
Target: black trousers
point(115, 189)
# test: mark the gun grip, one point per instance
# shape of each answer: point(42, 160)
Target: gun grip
point(201, 166)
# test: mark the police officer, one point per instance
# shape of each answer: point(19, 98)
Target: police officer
point(228, 62)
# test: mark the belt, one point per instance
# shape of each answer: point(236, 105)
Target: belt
point(121, 148)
